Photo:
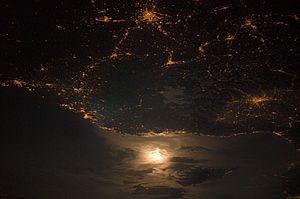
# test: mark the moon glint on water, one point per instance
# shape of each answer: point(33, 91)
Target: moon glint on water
point(157, 155)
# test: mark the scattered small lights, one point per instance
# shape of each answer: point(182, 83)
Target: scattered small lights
point(199, 57)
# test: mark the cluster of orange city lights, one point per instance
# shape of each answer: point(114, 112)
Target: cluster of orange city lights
point(151, 17)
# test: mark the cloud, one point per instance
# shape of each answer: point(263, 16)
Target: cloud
point(159, 192)
point(194, 149)
point(199, 175)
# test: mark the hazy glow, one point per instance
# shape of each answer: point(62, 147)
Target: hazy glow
point(155, 155)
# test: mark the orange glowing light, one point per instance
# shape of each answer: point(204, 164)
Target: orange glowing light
point(149, 16)
point(229, 38)
point(87, 116)
point(259, 100)
point(249, 23)
point(202, 48)
point(18, 83)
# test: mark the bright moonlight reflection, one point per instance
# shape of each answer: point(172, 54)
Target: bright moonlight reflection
point(155, 155)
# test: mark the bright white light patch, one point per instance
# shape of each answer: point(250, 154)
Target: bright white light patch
point(157, 155)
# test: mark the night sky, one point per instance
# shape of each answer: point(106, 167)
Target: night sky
point(155, 99)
